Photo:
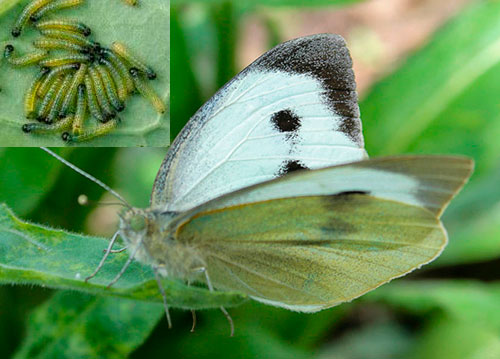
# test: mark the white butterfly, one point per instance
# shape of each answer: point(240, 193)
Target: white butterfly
point(226, 209)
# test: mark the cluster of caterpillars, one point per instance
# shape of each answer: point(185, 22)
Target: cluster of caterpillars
point(77, 75)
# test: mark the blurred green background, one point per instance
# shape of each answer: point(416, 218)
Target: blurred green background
point(429, 80)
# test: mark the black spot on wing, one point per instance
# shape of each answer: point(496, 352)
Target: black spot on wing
point(325, 57)
point(349, 193)
point(291, 166)
point(286, 121)
point(342, 200)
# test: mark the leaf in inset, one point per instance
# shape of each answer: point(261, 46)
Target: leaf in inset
point(145, 29)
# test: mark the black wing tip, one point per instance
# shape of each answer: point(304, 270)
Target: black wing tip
point(324, 56)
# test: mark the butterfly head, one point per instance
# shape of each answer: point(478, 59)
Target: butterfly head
point(135, 224)
point(147, 229)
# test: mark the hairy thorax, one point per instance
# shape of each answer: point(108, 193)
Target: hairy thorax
point(150, 236)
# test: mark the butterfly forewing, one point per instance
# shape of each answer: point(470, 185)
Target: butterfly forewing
point(293, 108)
point(310, 253)
point(426, 181)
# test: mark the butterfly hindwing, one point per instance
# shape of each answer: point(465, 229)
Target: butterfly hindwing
point(293, 108)
point(316, 238)
point(311, 253)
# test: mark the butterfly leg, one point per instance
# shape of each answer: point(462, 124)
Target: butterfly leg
point(126, 265)
point(164, 297)
point(119, 250)
point(211, 288)
point(193, 312)
point(106, 254)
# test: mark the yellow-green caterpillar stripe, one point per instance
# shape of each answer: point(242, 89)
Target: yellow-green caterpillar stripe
point(58, 44)
point(110, 88)
point(46, 103)
point(125, 53)
point(54, 6)
point(54, 72)
point(58, 100)
point(81, 110)
point(122, 68)
point(100, 92)
point(27, 12)
point(71, 94)
point(64, 24)
point(36, 127)
point(93, 105)
point(31, 94)
point(100, 130)
point(64, 60)
point(117, 78)
point(148, 92)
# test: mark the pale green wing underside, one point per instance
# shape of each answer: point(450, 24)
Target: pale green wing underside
point(311, 253)
point(313, 239)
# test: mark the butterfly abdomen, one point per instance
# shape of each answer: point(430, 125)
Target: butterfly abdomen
point(177, 259)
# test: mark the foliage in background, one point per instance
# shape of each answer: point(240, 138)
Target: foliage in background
point(442, 100)
point(145, 29)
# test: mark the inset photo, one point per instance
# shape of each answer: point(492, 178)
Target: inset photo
point(85, 73)
point(327, 187)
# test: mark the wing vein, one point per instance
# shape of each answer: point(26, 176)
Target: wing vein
point(224, 259)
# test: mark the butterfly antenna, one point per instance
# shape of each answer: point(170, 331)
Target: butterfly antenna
point(88, 176)
point(84, 201)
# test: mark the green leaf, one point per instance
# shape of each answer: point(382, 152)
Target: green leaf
point(472, 223)
point(462, 317)
point(211, 340)
point(74, 325)
point(466, 301)
point(187, 94)
point(145, 29)
point(224, 18)
point(444, 98)
point(24, 187)
point(387, 339)
point(62, 197)
point(31, 254)
point(450, 339)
